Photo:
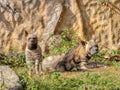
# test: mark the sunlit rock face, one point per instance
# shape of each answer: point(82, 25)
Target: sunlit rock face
point(104, 22)
point(86, 17)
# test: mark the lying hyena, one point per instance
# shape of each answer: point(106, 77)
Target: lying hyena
point(33, 54)
point(76, 57)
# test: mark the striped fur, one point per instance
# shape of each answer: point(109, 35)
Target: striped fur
point(33, 54)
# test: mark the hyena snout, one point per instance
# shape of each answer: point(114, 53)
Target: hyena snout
point(94, 49)
point(32, 40)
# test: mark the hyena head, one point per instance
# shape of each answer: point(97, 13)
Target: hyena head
point(32, 41)
point(92, 47)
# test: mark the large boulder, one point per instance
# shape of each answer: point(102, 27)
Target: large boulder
point(8, 79)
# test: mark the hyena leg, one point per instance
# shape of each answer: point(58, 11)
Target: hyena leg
point(78, 67)
point(81, 66)
point(37, 62)
point(40, 68)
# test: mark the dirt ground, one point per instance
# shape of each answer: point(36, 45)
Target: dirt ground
point(104, 71)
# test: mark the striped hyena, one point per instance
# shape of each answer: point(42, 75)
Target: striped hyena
point(33, 54)
point(76, 57)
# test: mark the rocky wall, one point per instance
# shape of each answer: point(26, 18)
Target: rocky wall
point(104, 21)
point(86, 17)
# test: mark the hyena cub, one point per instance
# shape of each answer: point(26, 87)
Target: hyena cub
point(78, 56)
point(33, 54)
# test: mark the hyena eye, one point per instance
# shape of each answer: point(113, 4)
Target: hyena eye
point(96, 46)
point(29, 38)
point(90, 48)
point(34, 38)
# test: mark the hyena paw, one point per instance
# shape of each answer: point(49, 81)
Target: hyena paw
point(83, 68)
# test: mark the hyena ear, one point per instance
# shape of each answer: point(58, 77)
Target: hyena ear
point(36, 32)
point(93, 38)
point(83, 42)
point(26, 33)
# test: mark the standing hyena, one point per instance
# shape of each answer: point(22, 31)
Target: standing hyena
point(33, 54)
point(75, 57)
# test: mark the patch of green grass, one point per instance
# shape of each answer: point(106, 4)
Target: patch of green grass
point(17, 60)
point(107, 80)
point(56, 81)
point(68, 39)
point(99, 57)
point(116, 65)
point(113, 51)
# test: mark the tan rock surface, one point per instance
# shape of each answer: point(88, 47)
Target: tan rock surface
point(86, 17)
